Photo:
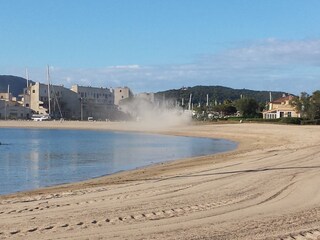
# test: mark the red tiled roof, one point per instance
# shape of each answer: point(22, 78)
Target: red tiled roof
point(282, 99)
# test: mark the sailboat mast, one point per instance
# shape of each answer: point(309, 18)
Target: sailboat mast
point(9, 93)
point(49, 97)
point(27, 76)
point(190, 99)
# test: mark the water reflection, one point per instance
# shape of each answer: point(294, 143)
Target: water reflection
point(38, 158)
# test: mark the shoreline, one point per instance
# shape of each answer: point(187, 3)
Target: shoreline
point(113, 178)
point(265, 189)
point(87, 127)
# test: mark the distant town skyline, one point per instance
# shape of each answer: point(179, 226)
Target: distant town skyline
point(152, 46)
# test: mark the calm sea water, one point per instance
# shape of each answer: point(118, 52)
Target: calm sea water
point(33, 158)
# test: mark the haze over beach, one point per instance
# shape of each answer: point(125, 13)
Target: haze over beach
point(159, 45)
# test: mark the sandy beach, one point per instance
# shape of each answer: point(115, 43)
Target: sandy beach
point(268, 188)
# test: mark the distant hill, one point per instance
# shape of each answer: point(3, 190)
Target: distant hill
point(218, 93)
point(17, 84)
point(199, 93)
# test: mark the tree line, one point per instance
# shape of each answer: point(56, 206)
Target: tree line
point(308, 105)
point(246, 107)
point(217, 94)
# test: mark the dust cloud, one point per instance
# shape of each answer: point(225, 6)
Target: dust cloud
point(156, 116)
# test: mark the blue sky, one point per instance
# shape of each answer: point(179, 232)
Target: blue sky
point(153, 45)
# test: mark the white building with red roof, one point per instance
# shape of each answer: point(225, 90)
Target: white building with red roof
point(280, 108)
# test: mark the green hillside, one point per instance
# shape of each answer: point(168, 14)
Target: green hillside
point(199, 93)
point(216, 93)
point(17, 84)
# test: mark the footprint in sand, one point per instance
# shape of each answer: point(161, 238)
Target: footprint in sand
point(48, 228)
point(32, 229)
point(14, 232)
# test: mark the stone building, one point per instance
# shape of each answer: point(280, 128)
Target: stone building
point(6, 96)
point(121, 93)
point(96, 103)
point(146, 96)
point(64, 103)
point(10, 109)
point(78, 103)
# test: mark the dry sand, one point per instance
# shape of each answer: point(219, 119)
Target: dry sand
point(266, 189)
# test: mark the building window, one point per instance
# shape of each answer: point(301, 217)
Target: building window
point(289, 114)
point(281, 114)
point(33, 91)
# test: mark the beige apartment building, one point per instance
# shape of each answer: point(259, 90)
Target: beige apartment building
point(146, 96)
point(280, 108)
point(79, 102)
point(121, 93)
point(6, 96)
point(96, 103)
point(10, 109)
point(64, 103)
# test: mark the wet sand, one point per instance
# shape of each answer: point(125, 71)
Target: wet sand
point(266, 189)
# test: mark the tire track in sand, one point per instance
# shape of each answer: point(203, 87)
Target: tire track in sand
point(133, 218)
point(44, 205)
point(312, 234)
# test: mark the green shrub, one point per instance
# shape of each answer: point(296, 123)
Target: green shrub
point(310, 122)
point(291, 120)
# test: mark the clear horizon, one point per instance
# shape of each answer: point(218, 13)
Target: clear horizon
point(152, 46)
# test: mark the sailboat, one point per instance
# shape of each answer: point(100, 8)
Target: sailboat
point(44, 117)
